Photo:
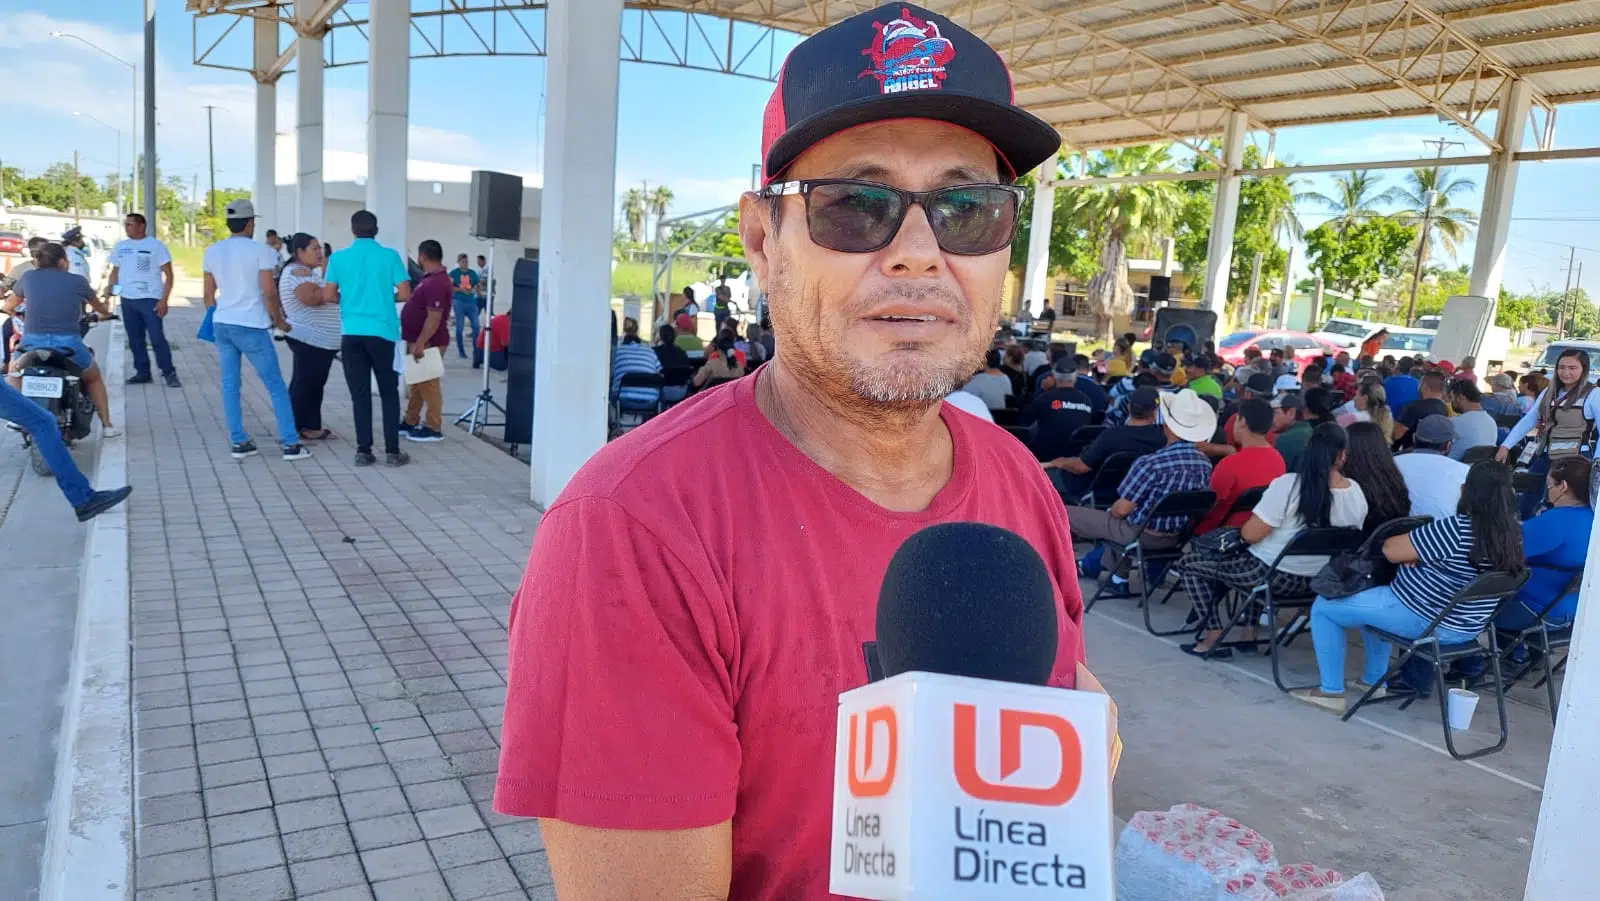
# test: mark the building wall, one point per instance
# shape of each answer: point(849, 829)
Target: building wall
point(438, 210)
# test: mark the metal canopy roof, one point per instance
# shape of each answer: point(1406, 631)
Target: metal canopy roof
point(1116, 72)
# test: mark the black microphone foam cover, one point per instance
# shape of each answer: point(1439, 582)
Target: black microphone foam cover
point(968, 599)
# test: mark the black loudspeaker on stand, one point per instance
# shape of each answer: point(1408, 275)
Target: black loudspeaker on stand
point(1160, 290)
point(495, 213)
point(1192, 327)
point(520, 352)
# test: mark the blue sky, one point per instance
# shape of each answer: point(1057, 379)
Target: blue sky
point(697, 132)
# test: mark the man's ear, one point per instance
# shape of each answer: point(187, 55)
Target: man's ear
point(756, 227)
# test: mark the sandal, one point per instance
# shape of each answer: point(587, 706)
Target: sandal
point(315, 435)
point(1212, 653)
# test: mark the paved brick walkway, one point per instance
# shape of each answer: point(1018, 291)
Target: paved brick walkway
point(318, 657)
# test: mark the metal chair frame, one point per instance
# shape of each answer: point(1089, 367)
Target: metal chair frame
point(1191, 504)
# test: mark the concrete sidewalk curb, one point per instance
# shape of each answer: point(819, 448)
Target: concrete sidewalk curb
point(88, 853)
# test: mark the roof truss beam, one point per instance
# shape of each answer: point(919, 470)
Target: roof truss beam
point(1181, 96)
point(1426, 40)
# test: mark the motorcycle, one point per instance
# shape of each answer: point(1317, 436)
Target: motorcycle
point(51, 380)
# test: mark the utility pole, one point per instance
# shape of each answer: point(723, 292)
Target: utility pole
point(211, 156)
point(1561, 312)
point(150, 161)
point(1428, 198)
point(75, 182)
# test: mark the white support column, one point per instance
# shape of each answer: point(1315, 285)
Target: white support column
point(1564, 863)
point(388, 108)
point(264, 193)
point(1037, 285)
point(308, 135)
point(571, 387)
point(1219, 252)
point(1499, 190)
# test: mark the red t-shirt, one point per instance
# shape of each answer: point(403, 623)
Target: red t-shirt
point(431, 295)
point(686, 625)
point(1235, 474)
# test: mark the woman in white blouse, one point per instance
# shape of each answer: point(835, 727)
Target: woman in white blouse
point(313, 338)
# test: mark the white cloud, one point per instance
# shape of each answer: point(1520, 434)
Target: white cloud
point(1402, 145)
point(71, 77)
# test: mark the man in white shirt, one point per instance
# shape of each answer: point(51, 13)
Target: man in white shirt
point(240, 289)
point(141, 272)
point(1472, 426)
point(1433, 479)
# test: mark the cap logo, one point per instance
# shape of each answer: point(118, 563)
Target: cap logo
point(908, 54)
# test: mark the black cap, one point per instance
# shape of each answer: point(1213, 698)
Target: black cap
point(898, 62)
point(968, 599)
point(1260, 383)
point(1165, 362)
point(1144, 400)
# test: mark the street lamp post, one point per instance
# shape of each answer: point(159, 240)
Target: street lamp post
point(120, 198)
point(133, 126)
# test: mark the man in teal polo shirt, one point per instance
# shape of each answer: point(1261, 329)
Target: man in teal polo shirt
point(366, 280)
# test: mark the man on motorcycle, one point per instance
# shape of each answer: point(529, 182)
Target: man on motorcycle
point(41, 427)
point(55, 299)
point(77, 256)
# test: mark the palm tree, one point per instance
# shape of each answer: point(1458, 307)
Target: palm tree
point(1430, 195)
point(1124, 214)
point(659, 200)
point(634, 208)
point(1355, 195)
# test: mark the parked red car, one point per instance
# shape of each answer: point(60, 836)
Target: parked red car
point(1305, 348)
point(12, 242)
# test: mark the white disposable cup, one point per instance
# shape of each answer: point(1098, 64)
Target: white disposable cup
point(1459, 707)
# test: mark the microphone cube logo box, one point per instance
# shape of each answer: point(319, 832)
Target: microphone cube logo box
point(962, 789)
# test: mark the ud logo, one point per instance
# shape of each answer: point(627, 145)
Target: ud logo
point(866, 752)
point(1013, 726)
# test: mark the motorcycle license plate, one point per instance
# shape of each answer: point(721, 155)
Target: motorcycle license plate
point(42, 386)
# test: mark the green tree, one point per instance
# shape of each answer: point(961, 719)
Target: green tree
point(1356, 196)
point(1123, 215)
point(658, 201)
point(1352, 259)
point(1072, 252)
point(1431, 195)
point(216, 227)
point(1516, 313)
point(1266, 217)
point(634, 210)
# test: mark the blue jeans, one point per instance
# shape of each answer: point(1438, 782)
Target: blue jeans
point(140, 319)
point(255, 345)
point(46, 435)
point(71, 345)
point(465, 310)
point(1374, 607)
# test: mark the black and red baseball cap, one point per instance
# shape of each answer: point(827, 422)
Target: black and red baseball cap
point(898, 62)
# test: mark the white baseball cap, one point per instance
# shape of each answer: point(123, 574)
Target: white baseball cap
point(1285, 383)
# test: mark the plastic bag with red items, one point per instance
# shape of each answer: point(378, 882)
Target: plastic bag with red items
point(1185, 853)
point(1300, 882)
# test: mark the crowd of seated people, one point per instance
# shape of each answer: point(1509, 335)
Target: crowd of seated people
point(1345, 443)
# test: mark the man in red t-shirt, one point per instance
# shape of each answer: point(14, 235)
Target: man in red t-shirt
point(1255, 464)
point(676, 651)
point(422, 326)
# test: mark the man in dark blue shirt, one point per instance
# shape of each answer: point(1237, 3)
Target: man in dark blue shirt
point(1060, 410)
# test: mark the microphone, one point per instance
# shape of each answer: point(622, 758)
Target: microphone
point(961, 776)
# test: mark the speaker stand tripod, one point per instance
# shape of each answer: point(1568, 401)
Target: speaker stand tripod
point(477, 416)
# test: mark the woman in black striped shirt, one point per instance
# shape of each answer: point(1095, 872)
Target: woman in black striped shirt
point(1436, 561)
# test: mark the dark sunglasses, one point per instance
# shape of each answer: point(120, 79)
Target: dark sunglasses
point(852, 216)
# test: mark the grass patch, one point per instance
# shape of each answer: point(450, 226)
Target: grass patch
point(186, 259)
point(633, 277)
